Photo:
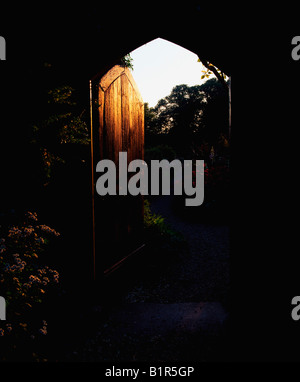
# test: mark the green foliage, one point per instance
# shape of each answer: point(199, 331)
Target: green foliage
point(126, 61)
point(154, 134)
point(212, 70)
point(160, 237)
point(66, 123)
point(153, 221)
point(189, 117)
point(75, 132)
point(62, 95)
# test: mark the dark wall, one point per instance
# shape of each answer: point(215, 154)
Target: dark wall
point(82, 42)
point(253, 44)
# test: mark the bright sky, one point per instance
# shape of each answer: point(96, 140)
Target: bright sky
point(160, 65)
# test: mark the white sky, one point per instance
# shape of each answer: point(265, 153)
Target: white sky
point(160, 65)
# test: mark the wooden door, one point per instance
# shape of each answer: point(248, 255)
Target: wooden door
point(119, 219)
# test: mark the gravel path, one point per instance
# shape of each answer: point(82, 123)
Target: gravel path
point(159, 318)
point(202, 274)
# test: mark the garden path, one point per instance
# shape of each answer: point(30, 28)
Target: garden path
point(178, 316)
point(203, 274)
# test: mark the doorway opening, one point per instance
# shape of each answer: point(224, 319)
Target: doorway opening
point(186, 116)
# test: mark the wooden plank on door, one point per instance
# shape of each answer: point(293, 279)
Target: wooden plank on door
point(121, 128)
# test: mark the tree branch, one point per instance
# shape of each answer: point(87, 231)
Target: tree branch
point(215, 71)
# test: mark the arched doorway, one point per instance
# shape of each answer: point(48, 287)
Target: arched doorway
point(113, 146)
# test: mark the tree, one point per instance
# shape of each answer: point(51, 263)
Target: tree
point(210, 68)
point(190, 117)
point(152, 129)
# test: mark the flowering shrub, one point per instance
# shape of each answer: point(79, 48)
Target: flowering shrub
point(24, 280)
point(214, 176)
point(216, 181)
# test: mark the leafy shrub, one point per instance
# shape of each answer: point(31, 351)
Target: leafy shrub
point(65, 126)
point(24, 279)
point(160, 237)
point(127, 61)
